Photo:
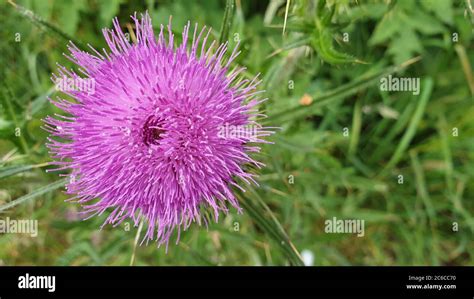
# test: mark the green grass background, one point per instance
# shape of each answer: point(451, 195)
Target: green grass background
point(321, 76)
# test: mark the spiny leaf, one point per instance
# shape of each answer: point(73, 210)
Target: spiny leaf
point(322, 42)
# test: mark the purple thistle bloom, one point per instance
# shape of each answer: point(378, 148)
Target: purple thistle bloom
point(164, 131)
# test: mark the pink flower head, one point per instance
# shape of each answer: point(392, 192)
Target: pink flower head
point(164, 132)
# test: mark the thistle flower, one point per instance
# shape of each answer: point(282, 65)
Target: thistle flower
point(164, 133)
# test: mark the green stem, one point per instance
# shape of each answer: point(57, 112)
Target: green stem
point(227, 21)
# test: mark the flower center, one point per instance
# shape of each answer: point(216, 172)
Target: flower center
point(152, 131)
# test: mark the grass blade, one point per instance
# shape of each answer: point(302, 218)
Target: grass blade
point(34, 194)
point(411, 130)
point(12, 170)
point(266, 220)
point(463, 58)
point(286, 16)
point(356, 126)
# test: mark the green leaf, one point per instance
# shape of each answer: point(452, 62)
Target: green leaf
point(43, 8)
point(108, 10)
point(405, 46)
point(400, 26)
point(69, 18)
point(33, 195)
point(422, 22)
point(442, 9)
point(384, 29)
point(5, 124)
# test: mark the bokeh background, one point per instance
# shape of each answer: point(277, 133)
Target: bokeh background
point(403, 163)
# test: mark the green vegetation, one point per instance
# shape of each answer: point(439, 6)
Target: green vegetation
point(402, 162)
